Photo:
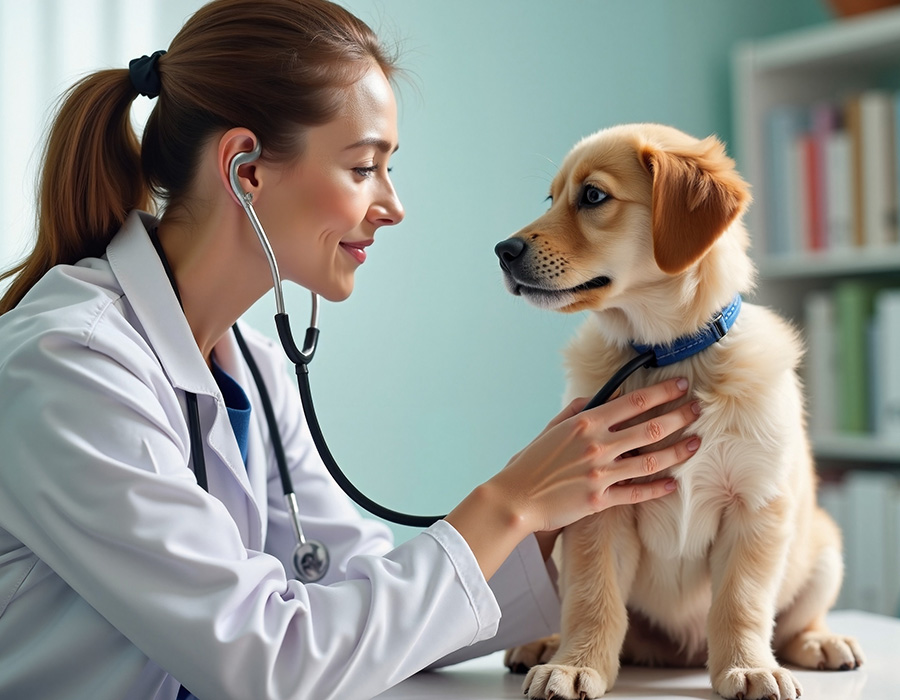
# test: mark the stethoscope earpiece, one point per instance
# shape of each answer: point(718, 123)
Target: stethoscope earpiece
point(236, 162)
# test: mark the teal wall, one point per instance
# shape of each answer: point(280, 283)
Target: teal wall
point(430, 377)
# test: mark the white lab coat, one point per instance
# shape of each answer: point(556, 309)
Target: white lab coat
point(119, 574)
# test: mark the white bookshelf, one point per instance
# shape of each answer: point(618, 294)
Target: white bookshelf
point(827, 62)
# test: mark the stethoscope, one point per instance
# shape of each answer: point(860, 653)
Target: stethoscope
point(310, 558)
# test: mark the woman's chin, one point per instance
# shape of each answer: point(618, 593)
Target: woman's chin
point(334, 292)
point(338, 292)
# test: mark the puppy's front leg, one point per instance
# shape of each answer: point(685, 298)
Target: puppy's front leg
point(747, 563)
point(600, 558)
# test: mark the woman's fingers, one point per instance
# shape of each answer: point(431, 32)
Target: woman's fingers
point(644, 465)
point(625, 494)
point(634, 403)
point(650, 463)
point(657, 428)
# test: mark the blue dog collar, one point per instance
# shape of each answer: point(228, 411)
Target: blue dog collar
point(682, 348)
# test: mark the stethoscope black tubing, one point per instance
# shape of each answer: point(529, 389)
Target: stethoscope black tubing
point(646, 359)
point(337, 473)
point(287, 485)
point(197, 457)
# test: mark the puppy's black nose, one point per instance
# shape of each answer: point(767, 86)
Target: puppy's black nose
point(509, 250)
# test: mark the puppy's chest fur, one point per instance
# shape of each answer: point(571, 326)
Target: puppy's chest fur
point(738, 464)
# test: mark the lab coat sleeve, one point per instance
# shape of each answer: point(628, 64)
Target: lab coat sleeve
point(99, 491)
point(326, 513)
point(525, 589)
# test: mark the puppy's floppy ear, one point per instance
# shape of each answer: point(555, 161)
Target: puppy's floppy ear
point(697, 194)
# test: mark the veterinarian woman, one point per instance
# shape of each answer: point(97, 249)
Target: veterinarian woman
point(122, 574)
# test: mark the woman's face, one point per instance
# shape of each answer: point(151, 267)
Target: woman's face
point(322, 210)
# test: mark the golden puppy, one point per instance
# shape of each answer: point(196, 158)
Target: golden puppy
point(739, 565)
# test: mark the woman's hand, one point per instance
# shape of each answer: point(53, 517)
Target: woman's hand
point(579, 465)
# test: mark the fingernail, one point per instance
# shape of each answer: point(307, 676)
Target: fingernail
point(693, 445)
point(695, 407)
point(671, 485)
point(682, 384)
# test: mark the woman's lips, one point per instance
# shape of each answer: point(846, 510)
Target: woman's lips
point(356, 249)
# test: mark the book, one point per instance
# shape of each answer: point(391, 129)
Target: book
point(853, 122)
point(886, 366)
point(820, 368)
point(892, 561)
point(878, 173)
point(853, 310)
point(838, 190)
point(782, 126)
point(823, 122)
point(868, 547)
point(798, 194)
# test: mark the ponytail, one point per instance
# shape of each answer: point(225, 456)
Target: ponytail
point(90, 179)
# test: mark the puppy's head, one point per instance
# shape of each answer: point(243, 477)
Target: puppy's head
point(632, 206)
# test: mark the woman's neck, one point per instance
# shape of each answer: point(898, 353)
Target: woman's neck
point(217, 276)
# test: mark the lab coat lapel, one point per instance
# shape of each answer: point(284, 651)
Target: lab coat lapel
point(146, 287)
point(229, 358)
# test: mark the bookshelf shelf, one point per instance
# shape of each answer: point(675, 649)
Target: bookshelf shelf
point(831, 264)
point(847, 448)
point(866, 41)
point(806, 73)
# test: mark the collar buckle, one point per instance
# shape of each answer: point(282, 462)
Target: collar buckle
point(719, 327)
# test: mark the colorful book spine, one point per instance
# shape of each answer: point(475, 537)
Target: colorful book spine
point(821, 368)
point(783, 125)
point(853, 311)
point(879, 189)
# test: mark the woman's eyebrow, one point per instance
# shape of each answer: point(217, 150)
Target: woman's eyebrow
point(381, 144)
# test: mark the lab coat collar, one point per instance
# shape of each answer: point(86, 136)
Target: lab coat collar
point(143, 279)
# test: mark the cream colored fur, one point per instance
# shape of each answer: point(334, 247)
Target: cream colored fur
point(738, 566)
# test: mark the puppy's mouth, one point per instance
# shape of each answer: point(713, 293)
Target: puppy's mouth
point(553, 298)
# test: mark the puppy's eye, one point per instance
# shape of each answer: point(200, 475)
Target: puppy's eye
point(591, 196)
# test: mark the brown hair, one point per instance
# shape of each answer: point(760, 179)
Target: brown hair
point(272, 66)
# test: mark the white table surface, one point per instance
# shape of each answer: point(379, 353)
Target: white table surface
point(877, 679)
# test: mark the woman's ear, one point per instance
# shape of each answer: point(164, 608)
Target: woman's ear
point(231, 143)
point(697, 194)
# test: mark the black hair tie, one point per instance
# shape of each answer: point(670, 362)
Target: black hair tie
point(145, 75)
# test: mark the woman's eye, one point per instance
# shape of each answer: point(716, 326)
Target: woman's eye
point(369, 170)
point(591, 196)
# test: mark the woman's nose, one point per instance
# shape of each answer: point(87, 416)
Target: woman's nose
point(388, 211)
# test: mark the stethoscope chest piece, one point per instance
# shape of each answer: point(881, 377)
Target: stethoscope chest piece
point(311, 558)
point(311, 561)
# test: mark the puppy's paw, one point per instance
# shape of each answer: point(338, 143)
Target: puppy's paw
point(554, 682)
point(774, 683)
point(823, 650)
point(520, 659)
